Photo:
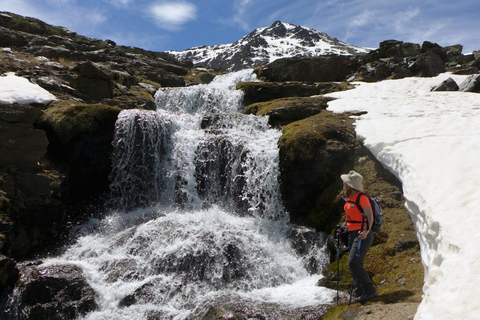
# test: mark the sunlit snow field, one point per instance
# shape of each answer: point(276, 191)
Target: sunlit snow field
point(430, 141)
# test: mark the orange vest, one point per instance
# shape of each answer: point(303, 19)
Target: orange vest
point(352, 212)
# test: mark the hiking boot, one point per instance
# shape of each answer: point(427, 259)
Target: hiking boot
point(367, 296)
point(357, 293)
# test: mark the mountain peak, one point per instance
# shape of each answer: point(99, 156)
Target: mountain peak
point(264, 45)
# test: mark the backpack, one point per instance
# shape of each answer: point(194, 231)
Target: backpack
point(376, 208)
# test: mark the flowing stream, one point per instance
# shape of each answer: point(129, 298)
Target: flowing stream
point(198, 219)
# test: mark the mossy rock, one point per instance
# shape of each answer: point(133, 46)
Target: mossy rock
point(287, 110)
point(80, 137)
point(67, 120)
point(313, 153)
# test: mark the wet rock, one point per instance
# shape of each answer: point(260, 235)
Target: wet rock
point(80, 138)
point(9, 276)
point(50, 292)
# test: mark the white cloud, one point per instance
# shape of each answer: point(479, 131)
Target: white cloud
point(362, 19)
point(172, 15)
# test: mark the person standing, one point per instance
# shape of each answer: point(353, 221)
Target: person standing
point(360, 237)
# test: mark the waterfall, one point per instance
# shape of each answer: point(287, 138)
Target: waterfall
point(197, 215)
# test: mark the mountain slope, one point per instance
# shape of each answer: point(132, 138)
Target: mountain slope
point(265, 45)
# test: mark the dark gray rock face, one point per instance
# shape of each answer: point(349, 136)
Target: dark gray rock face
point(447, 85)
point(50, 293)
point(471, 84)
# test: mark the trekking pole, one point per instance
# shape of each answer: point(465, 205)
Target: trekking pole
point(338, 259)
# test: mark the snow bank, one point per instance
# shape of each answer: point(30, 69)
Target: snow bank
point(430, 141)
point(19, 90)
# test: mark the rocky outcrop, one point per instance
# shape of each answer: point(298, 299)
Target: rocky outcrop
point(80, 140)
point(55, 292)
point(287, 110)
point(267, 91)
point(313, 153)
point(31, 190)
point(318, 69)
point(392, 60)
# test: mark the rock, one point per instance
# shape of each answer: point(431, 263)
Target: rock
point(50, 292)
point(80, 138)
point(428, 65)
point(454, 50)
point(447, 85)
point(9, 276)
point(476, 54)
point(266, 91)
point(471, 84)
point(393, 49)
point(429, 48)
point(318, 69)
point(31, 192)
point(95, 81)
point(94, 70)
point(10, 38)
point(286, 110)
point(313, 154)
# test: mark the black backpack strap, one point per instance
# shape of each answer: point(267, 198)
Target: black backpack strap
point(357, 203)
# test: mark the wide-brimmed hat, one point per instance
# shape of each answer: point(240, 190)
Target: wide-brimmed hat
point(353, 179)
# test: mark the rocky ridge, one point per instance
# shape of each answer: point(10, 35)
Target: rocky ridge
point(56, 157)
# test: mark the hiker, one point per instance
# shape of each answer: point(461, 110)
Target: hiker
point(360, 237)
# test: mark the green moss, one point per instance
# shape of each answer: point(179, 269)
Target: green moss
point(68, 119)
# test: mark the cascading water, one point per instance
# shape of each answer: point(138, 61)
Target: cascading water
point(198, 220)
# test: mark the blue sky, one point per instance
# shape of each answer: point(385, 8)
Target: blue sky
point(161, 25)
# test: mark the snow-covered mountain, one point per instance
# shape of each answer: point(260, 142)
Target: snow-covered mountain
point(265, 45)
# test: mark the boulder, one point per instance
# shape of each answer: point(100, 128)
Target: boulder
point(471, 84)
point(430, 47)
point(286, 110)
point(50, 292)
point(94, 81)
point(428, 64)
point(313, 153)
point(447, 85)
point(476, 54)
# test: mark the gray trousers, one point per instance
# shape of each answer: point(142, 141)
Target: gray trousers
point(363, 284)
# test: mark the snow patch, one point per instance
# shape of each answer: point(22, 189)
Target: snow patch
point(14, 89)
